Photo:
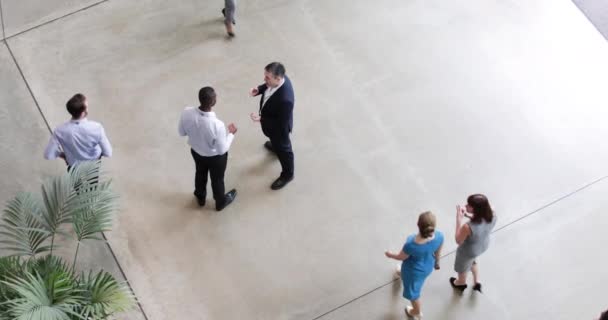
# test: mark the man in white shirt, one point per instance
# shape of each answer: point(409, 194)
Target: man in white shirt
point(78, 139)
point(209, 144)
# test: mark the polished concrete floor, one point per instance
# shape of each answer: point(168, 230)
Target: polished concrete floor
point(401, 107)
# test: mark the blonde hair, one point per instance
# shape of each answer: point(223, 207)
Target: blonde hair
point(426, 224)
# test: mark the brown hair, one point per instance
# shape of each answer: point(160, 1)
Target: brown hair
point(481, 208)
point(76, 105)
point(426, 224)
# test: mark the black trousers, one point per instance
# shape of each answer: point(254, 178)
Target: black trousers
point(282, 147)
point(214, 166)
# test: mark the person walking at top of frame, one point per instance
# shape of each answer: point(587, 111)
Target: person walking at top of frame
point(473, 239)
point(79, 139)
point(276, 118)
point(209, 144)
point(229, 13)
point(420, 255)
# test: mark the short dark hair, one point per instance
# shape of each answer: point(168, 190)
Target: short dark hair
point(76, 105)
point(604, 315)
point(206, 96)
point(481, 208)
point(276, 69)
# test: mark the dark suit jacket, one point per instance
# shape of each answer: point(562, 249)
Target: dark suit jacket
point(277, 113)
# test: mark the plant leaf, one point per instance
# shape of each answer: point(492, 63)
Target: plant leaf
point(21, 226)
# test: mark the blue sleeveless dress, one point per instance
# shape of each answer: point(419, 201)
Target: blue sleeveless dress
point(418, 265)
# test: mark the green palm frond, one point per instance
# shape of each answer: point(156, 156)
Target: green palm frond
point(21, 227)
point(57, 193)
point(104, 296)
point(50, 265)
point(68, 195)
point(53, 298)
point(10, 267)
point(93, 211)
point(85, 175)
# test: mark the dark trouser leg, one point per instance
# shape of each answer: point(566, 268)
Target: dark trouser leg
point(200, 177)
point(217, 169)
point(282, 147)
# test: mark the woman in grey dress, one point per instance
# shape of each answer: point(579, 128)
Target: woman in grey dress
point(229, 13)
point(473, 238)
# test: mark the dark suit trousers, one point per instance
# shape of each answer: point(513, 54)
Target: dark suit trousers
point(216, 167)
point(282, 147)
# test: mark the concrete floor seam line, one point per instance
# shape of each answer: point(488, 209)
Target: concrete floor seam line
point(124, 275)
point(2, 19)
point(551, 203)
point(29, 89)
point(56, 19)
point(355, 299)
point(454, 251)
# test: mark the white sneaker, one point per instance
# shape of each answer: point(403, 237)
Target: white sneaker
point(408, 313)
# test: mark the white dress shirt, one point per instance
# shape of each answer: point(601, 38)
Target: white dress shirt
point(270, 90)
point(80, 140)
point(207, 135)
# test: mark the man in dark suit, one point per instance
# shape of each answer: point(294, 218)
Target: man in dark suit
point(276, 118)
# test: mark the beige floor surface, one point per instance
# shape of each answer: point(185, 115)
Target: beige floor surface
point(400, 107)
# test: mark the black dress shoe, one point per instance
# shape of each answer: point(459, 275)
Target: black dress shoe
point(460, 287)
point(477, 287)
point(268, 146)
point(200, 199)
point(228, 198)
point(280, 183)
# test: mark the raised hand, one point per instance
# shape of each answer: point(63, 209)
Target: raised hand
point(253, 92)
point(232, 128)
point(254, 117)
point(460, 212)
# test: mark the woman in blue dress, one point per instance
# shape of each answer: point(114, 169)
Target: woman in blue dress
point(420, 254)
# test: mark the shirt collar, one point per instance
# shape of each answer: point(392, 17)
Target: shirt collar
point(78, 120)
point(206, 114)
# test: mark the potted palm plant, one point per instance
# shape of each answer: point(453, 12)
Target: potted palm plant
point(36, 283)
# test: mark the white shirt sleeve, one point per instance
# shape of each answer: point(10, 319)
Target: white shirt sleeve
point(224, 138)
point(180, 128)
point(104, 143)
point(53, 148)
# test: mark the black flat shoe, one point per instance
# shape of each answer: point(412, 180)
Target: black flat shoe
point(280, 183)
point(201, 203)
point(477, 287)
point(460, 287)
point(228, 198)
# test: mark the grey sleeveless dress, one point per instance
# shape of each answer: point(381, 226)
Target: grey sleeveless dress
point(474, 245)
